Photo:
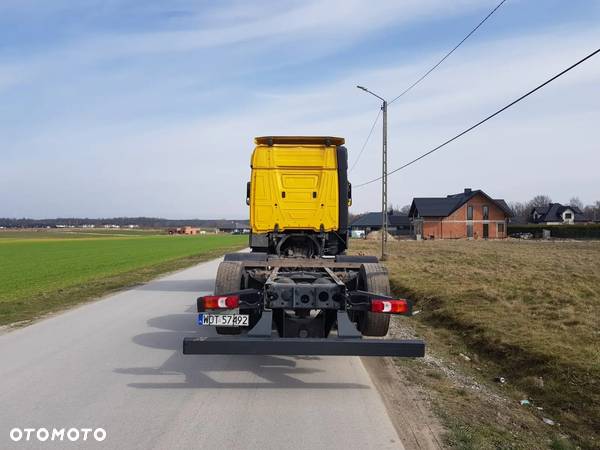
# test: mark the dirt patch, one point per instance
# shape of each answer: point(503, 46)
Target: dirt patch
point(376, 236)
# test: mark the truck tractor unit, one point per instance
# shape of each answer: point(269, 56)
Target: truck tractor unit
point(297, 292)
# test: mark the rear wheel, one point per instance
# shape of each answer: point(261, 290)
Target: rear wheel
point(374, 278)
point(229, 279)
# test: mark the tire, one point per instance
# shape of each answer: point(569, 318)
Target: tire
point(229, 279)
point(374, 279)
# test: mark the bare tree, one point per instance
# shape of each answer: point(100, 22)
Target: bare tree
point(520, 211)
point(395, 209)
point(539, 200)
point(576, 203)
point(592, 212)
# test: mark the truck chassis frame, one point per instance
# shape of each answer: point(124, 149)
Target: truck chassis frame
point(295, 304)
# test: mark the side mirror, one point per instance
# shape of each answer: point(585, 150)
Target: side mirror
point(349, 194)
point(248, 193)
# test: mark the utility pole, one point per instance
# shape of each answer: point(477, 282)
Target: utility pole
point(384, 174)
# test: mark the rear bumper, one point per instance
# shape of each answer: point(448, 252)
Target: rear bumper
point(306, 346)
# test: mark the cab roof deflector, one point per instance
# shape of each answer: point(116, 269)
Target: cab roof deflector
point(299, 140)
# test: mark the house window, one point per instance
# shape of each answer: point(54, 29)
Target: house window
point(486, 212)
point(469, 213)
point(568, 216)
point(500, 228)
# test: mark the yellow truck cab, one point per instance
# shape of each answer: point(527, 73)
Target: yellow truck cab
point(299, 195)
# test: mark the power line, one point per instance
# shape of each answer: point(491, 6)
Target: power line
point(481, 122)
point(449, 53)
point(425, 76)
point(366, 140)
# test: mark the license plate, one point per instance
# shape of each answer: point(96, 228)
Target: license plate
point(224, 320)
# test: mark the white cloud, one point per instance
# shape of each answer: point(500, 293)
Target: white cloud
point(317, 26)
point(197, 166)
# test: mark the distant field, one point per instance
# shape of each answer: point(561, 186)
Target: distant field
point(56, 233)
point(42, 272)
point(526, 310)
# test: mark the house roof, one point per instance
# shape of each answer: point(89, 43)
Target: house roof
point(398, 220)
point(370, 219)
point(232, 225)
point(444, 206)
point(541, 210)
point(373, 219)
point(553, 212)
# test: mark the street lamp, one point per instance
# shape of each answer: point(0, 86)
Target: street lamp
point(384, 217)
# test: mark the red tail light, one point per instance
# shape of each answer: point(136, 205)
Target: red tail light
point(390, 306)
point(221, 301)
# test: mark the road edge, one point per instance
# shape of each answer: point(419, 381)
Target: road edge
point(416, 424)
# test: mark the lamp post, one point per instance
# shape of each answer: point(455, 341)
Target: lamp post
point(384, 217)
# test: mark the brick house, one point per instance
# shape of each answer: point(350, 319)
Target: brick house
point(184, 230)
point(472, 214)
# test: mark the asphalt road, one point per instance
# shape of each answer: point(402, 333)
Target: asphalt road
point(117, 364)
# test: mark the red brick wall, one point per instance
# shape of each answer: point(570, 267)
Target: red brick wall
point(432, 226)
point(455, 225)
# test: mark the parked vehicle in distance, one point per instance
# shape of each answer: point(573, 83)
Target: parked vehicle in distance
point(359, 234)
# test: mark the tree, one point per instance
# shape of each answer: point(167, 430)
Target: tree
point(539, 200)
point(395, 209)
point(576, 203)
point(405, 209)
point(520, 211)
point(592, 212)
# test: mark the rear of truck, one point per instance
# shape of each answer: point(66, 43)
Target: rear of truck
point(297, 292)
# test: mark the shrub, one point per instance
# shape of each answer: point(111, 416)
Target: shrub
point(583, 231)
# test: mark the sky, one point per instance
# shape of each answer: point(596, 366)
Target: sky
point(149, 108)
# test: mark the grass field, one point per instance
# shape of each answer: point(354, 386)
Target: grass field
point(41, 272)
point(525, 310)
point(74, 233)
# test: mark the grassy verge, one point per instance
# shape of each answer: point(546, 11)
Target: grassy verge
point(525, 311)
point(40, 276)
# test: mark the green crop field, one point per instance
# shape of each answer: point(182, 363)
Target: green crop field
point(41, 272)
point(75, 233)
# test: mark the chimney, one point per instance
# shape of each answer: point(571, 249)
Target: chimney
point(468, 191)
